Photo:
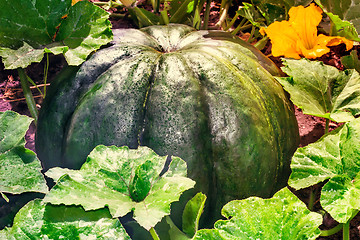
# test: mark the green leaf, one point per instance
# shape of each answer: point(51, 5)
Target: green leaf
point(179, 10)
point(343, 28)
point(351, 61)
point(283, 216)
point(13, 128)
point(192, 212)
point(334, 157)
point(249, 12)
point(275, 10)
point(20, 169)
point(346, 10)
point(4, 197)
point(322, 90)
point(37, 220)
point(50, 26)
point(124, 180)
point(174, 232)
point(143, 17)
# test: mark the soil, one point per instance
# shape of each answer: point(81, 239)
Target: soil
point(311, 128)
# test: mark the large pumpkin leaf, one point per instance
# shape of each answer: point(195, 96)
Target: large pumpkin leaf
point(322, 90)
point(283, 216)
point(19, 167)
point(346, 10)
point(124, 180)
point(50, 26)
point(37, 220)
point(335, 157)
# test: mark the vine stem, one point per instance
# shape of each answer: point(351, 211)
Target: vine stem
point(241, 28)
point(346, 231)
point(312, 198)
point(346, 226)
point(336, 229)
point(225, 5)
point(207, 14)
point(342, 226)
point(28, 94)
point(46, 71)
point(111, 4)
point(251, 34)
point(154, 234)
point(232, 21)
point(117, 15)
point(327, 126)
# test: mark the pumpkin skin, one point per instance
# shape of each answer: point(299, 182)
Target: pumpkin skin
point(201, 95)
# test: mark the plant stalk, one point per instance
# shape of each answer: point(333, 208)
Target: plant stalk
point(46, 71)
point(241, 28)
point(225, 5)
point(207, 14)
point(261, 43)
point(346, 226)
point(232, 22)
point(327, 126)
point(28, 94)
point(117, 15)
point(346, 231)
point(312, 198)
point(112, 4)
point(165, 17)
point(34, 85)
point(336, 229)
point(154, 234)
point(250, 39)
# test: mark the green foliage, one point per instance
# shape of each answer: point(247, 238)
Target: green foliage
point(123, 180)
point(19, 167)
point(342, 28)
point(37, 220)
point(262, 13)
point(351, 61)
point(49, 26)
point(183, 12)
point(283, 216)
point(334, 157)
point(192, 212)
point(322, 90)
point(347, 10)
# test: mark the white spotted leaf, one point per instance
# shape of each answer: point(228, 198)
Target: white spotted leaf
point(124, 180)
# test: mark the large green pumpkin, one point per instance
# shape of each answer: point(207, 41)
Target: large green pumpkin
point(201, 95)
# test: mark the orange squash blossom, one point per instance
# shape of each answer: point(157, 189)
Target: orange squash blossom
point(298, 36)
point(74, 1)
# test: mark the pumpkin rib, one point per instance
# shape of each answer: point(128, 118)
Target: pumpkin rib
point(244, 171)
point(167, 92)
point(175, 122)
point(121, 128)
point(271, 89)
